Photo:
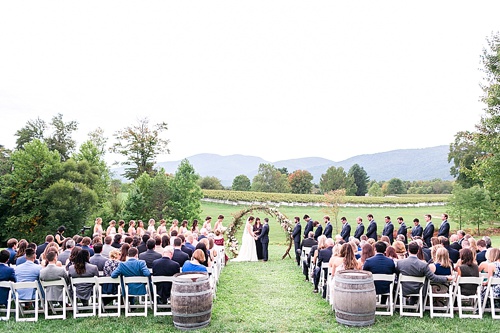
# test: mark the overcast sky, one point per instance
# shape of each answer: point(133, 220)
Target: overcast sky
point(274, 79)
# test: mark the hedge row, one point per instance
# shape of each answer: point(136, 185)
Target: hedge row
point(235, 196)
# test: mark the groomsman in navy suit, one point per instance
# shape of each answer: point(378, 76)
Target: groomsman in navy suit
point(319, 229)
point(345, 233)
point(360, 229)
point(371, 232)
point(444, 229)
point(296, 239)
point(388, 229)
point(328, 227)
point(417, 229)
point(309, 225)
point(264, 239)
point(428, 230)
point(402, 229)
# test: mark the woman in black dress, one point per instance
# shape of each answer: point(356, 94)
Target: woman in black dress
point(257, 229)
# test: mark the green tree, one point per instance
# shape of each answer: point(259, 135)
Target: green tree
point(471, 205)
point(185, 194)
point(335, 179)
point(334, 199)
point(375, 190)
point(463, 153)
point(241, 183)
point(60, 139)
point(301, 181)
point(361, 179)
point(210, 183)
point(140, 145)
point(270, 179)
point(5, 162)
point(395, 186)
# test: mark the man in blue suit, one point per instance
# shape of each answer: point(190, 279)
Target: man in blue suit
point(28, 272)
point(417, 230)
point(428, 230)
point(444, 228)
point(371, 231)
point(133, 267)
point(296, 239)
point(328, 227)
point(380, 264)
point(6, 274)
point(360, 229)
point(264, 239)
point(388, 229)
point(345, 233)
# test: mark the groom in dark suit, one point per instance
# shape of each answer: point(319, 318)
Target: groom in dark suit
point(264, 239)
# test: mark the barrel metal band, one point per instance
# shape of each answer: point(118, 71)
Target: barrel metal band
point(196, 325)
point(189, 315)
point(353, 281)
point(189, 283)
point(353, 290)
point(200, 293)
point(355, 314)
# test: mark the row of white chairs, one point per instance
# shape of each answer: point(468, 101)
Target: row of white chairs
point(101, 304)
point(467, 306)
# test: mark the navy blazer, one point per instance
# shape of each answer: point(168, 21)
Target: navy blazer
point(428, 233)
point(371, 232)
point(296, 233)
point(6, 274)
point(444, 229)
point(328, 230)
point(165, 267)
point(264, 234)
point(417, 231)
point(309, 227)
point(360, 230)
point(389, 231)
point(318, 232)
point(380, 264)
point(180, 257)
point(346, 232)
point(403, 231)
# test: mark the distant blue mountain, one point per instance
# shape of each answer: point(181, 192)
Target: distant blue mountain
point(406, 164)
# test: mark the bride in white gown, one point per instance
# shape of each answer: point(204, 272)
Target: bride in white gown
point(247, 252)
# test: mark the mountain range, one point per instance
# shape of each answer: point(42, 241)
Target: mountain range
point(406, 164)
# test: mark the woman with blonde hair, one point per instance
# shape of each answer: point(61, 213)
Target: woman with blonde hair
point(400, 249)
point(98, 227)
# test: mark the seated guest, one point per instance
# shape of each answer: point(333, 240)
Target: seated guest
point(467, 268)
point(165, 266)
point(53, 272)
point(194, 265)
point(72, 257)
point(367, 251)
point(64, 256)
point(158, 245)
point(310, 260)
point(98, 259)
point(453, 253)
point(133, 267)
point(481, 254)
point(150, 255)
point(27, 272)
point(390, 252)
point(202, 245)
point(22, 259)
point(124, 252)
point(400, 249)
point(179, 256)
point(12, 248)
point(117, 241)
point(190, 242)
point(348, 262)
point(41, 247)
point(21, 250)
point(310, 241)
point(413, 266)
point(454, 242)
point(106, 247)
point(441, 265)
point(6, 274)
point(142, 247)
point(380, 264)
point(323, 256)
point(83, 268)
point(43, 257)
point(110, 265)
point(184, 248)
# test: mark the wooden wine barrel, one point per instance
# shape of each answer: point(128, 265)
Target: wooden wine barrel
point(354, 298)
point(191, 300)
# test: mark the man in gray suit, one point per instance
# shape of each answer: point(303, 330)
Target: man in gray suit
point(412, 266)
point(50, 273)
point(98, 259)
point(64, 256)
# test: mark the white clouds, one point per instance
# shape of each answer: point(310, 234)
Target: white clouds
point(275, 79)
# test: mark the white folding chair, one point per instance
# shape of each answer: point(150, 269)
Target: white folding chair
point(157, 306)
point(49, 305)
point(475, 307)
point(322, 276)
point(329, 277)
point(114, 297)
point(136, 280)
point(489, 296)
point(8, 307)
point(92, 302)
point(213, 284)
point(448, 298)
point(390, 295)
point(19, 303)
point(419, 306)
point(303, 255)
